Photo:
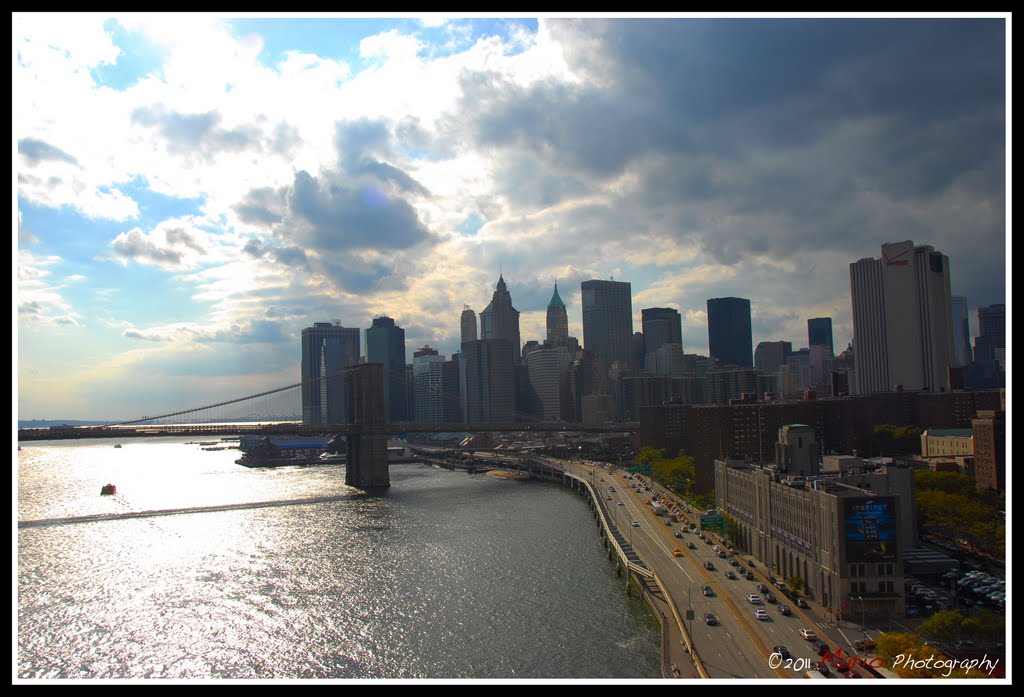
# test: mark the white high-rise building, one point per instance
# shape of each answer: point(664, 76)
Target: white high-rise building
point(902, 319)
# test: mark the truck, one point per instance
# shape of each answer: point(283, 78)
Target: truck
point(658, 508)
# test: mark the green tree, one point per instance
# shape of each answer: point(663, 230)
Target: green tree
point(648, 455)
point(889, 645)
point(896, 440)
point(944, 626)
point(796, 583)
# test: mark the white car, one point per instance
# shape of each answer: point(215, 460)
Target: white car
point(754, 598)
point(761, 614)
point(636, 524)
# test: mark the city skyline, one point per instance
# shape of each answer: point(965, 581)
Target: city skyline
point(193, 191)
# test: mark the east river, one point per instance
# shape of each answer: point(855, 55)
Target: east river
point(444, 576)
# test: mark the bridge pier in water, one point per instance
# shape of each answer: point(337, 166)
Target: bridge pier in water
point(367, 452)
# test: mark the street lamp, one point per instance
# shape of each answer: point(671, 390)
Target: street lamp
point(861, 599)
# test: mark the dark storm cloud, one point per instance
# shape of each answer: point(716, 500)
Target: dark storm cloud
point(360, 146)
point(265, 206)
point(333, 216)
point(764, 137)
point(196, 133)
point(35, 151)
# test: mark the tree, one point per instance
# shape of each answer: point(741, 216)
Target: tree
point(796, 583)
point(944, 626)
point(889, 645)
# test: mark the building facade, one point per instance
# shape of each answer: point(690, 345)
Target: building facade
point(327, 348)
point(608, 321)
point(902, 319)
point(819, 333)
point(961, 331)
point(490, 381)
point(729, 332)
point(834, 530)
point(557, 320)
point(385, 344)
point(500, 320)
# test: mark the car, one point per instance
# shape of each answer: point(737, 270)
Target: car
point(710, 619)
point(707, 540)
point(607, 498)
point(784, 610)
point(770, 598)
point(733, 562)
point(853, 674)
point(821, 648)
point(754, 598)
point(621, 504)
point(706, 590)
point(677, 552)
point(679, 534)
point(721, 554)
point(761, 614)
point(748, 574)
point(800, 602)
point(668, 522)
point(730, 575)
point(864, 645)
point(761, 588)
point(808, 634)
point(709, 566)
point(822, 667)
point(690, 545)
point(782, 651)
point(636, 524)
point(772, 580)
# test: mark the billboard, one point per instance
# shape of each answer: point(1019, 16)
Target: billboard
point(870, 529)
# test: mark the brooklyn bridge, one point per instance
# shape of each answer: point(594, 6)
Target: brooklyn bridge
point(273, 412)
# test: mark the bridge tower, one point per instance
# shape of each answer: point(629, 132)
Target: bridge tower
point(367, 454)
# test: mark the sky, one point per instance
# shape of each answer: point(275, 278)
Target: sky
point(192, 190)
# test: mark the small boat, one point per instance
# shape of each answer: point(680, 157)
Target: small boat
point(108, 490)
point(118, 445)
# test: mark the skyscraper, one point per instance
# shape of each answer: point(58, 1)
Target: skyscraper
point(992, 325)
point(385, 343)
point(428, 385)
point(500, 320)
point(661, 325)
point(819, 333)
point(729, 335)
point(490, 381)
point(558, 320)
point(608, 321)
point(468, 324)
point(902, 319)
point(327, 348)
point(961, 331)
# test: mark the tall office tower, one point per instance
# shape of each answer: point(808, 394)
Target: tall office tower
point(500, 320)
point(902, 319)
point(468, 324)
point(992, 324)
point(729, 335)
point(428, 385)
point(558, 320)
point(608, 321)
point(819, 333)
point(385, 343)
point(961, 331)
point(490, 381)
point(546, 366)
point(327, 348)
point(769, 355)
point(469, 333)
point(452, 397)
point(661, 325)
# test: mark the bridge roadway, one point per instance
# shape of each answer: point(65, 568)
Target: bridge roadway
point(295, 428)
